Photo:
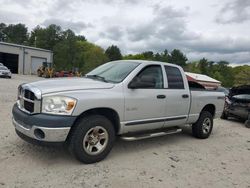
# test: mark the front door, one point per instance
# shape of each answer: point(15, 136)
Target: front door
point(145, 107)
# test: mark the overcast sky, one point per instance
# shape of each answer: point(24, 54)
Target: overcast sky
point(217, 30)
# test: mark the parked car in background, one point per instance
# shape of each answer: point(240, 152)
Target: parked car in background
point(1, 64)
point(237, 104)
point(5, 72)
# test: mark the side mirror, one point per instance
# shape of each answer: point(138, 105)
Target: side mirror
point(143, 82)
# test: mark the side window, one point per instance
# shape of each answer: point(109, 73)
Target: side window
point(154, 73)
point(175, 80)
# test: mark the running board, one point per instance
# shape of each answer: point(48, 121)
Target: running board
point(150, 135)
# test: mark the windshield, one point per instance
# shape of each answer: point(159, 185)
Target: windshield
point(113, 71)
point(3, 68)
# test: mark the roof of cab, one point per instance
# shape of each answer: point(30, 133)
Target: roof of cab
point(149, 62)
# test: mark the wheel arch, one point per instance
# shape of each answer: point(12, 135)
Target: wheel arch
point(109, 113)
point(209, 108)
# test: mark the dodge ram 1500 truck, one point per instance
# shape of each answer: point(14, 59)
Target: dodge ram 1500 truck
point(131, 99)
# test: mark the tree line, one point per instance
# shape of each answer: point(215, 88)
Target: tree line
point(72, 50)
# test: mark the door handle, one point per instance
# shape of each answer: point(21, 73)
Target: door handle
point(185, 96)
point(161, 96)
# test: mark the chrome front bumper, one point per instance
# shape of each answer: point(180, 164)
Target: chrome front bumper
point(58, 134)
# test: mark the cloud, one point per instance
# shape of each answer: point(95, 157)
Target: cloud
point(11, 17)
point(166, 22)
point(137, 26)
point(236, 11)
point(77, 26)
point(167, 29)
point(113, 32)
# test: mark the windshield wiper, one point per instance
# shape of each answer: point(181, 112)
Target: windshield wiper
point(94, 76)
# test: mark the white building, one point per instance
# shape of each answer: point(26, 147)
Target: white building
point(23, 59)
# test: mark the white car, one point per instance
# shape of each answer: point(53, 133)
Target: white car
point(5, 72)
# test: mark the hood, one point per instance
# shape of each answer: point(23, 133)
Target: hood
point(69, 84)
point(243, 89)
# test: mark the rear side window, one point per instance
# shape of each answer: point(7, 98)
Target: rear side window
point(175, 80)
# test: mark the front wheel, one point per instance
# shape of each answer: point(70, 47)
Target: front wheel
point(203, 127)
point(92, 139)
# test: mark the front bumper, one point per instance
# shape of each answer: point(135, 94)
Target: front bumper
point(5, 75)
point(42, 127)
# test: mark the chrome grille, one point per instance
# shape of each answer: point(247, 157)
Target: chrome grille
point(29, 99)
point(29, 95)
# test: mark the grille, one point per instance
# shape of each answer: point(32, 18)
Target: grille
point(29, 106)
point(27, 100)
point(29, 95)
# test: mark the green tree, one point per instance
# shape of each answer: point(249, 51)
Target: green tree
point(14, 33)
point(203, 65)
point(192, 67)
point(94, 57)
point(165, 56)
point(46, 37)
point(3, 36)
point(65, 51)
point(149, 55)
point(217, 76)
point(226, 73)
point(243, 76)
point(177, 57)
point(135, 56)
point(113, 53)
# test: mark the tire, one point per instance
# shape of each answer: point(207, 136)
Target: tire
point(92, 139)
point(224, 115)
point(204, 125)
point(247, 123)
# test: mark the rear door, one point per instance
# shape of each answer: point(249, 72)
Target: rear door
point(177, 97)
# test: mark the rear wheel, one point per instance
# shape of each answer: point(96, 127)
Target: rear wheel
point(92, 139)
point(204, 126)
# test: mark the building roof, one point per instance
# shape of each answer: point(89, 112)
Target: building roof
point(201, 77)
point(23, 46)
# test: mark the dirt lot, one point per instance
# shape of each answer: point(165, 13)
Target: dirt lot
point(177, 160)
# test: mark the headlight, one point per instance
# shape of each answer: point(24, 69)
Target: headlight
point(19, 91)
point(59, 105)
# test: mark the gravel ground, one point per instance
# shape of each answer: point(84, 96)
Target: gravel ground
point(177, 160)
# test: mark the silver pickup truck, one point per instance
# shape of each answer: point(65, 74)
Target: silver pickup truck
point(129, 99)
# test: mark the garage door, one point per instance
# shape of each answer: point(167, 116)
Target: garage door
point(36, 62)
point(10, 61)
